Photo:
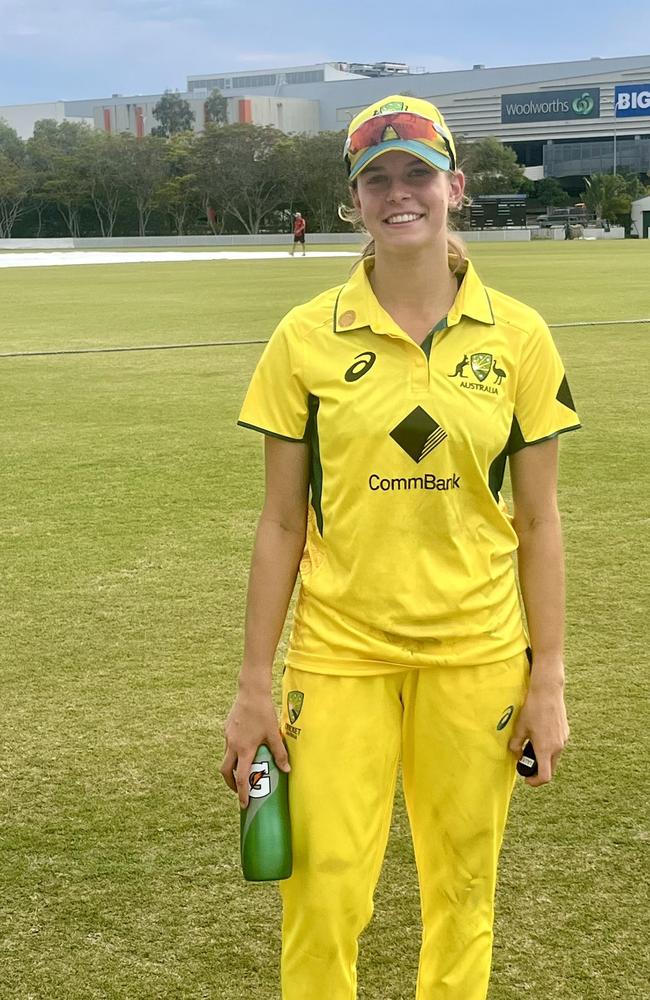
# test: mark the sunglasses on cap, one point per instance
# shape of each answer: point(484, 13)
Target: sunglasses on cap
point(402, 125)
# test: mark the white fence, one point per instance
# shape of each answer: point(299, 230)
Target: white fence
point(588, 233)
point(496, 236)
point(275, 239)
point(151, 242)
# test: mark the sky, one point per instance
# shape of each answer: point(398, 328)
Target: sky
point(56, 50)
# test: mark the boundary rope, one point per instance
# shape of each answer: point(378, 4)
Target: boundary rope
point(247, 343)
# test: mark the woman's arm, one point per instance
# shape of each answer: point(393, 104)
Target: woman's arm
point(279, 545)
point(543, 720)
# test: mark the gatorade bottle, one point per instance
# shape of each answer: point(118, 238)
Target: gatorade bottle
point(265, 829)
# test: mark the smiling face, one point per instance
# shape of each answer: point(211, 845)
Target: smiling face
point(404, 202)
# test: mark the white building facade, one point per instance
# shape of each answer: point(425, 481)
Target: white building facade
point(23, 117)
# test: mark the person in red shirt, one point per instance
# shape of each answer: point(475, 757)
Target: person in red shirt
point(299, 226)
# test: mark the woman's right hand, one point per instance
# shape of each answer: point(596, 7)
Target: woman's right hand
point(252, 721)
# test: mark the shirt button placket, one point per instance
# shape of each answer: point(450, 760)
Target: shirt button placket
point(419, 370)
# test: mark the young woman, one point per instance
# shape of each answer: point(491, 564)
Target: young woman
point(390, 406)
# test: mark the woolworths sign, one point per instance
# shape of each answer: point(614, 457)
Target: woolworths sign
point(551, 105)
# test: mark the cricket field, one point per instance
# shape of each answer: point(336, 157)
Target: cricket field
point(129, 503)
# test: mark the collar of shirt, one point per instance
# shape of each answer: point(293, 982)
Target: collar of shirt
point(356, 305)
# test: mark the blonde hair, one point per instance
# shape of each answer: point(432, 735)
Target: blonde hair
point(456, 249)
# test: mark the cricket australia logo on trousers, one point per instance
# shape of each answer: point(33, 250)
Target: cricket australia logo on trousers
point(295, 701)
point(483, 367)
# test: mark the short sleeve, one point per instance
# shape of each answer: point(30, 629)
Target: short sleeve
point(277, 402)
point(544, 406)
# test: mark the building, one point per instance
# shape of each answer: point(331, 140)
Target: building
point(135, 114)
point(558, 117)
point(641, 218)
point(272, 80)
point(23, 117)
point(564, 120)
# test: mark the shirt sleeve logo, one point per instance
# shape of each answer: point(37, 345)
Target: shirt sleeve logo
point(362, 365)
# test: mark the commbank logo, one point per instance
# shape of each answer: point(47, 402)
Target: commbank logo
point(428, 481)
point(418, 434)
point(362, 365)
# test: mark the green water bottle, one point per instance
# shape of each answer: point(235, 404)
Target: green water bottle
point(265, 829)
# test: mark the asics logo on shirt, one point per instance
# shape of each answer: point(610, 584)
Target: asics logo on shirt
point(505, 718)
point(362, 365)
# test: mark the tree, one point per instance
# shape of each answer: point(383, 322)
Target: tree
point(634, 185)
point(316, 178)
point(102, 161)
point(216, 109)
point(206, 162)
point(241, 170)
point(179, 194)
point(15, 180)
point(10, 142)
point(610, 196)
point(55, 152)
point(174, 114)
point(14, 189)
point(551, 193)
point(144, 173)
point(491, 167)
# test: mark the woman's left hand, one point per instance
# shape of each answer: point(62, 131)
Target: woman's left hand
point(543, 721)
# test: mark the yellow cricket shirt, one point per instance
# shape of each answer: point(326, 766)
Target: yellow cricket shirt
point(409, 552)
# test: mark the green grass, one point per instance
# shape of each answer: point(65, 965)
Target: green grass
point(129, 505)
point(168, 303)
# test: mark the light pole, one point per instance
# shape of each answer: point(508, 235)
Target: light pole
point(614, 108)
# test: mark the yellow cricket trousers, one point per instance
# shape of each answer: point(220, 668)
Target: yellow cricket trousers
point(449, 727)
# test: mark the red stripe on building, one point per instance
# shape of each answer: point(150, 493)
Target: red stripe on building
point(107, 119)
point(245, 111)
point(139, 123)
